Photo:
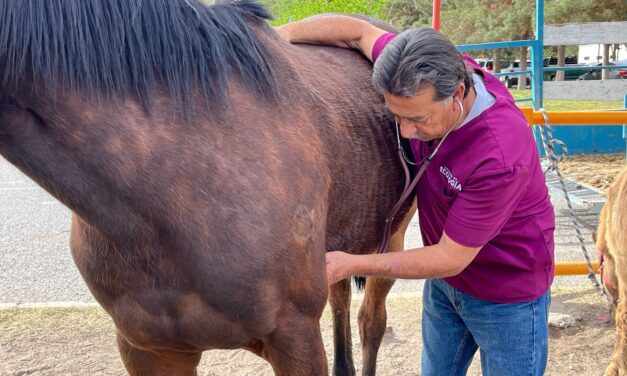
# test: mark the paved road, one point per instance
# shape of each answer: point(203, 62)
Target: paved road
point(35, 261)
point(36, 264)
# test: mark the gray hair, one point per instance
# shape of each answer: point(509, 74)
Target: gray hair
point(417, 58)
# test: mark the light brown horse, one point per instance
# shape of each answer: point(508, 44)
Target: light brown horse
point(611, 242)
point(209, 166)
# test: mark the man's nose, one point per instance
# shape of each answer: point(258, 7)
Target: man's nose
point(408, 129)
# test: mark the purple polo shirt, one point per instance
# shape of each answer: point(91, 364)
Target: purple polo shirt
point(485, 187)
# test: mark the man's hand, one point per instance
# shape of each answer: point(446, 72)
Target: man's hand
point(283, 32)
point(339, 266)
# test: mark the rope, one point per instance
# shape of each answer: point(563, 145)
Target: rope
point(554, 158)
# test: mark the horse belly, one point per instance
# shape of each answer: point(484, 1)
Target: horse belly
point(206, 301)
point(183, 323)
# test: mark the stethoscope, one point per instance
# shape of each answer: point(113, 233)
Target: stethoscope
point(409, 186)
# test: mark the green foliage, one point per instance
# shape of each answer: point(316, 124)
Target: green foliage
point(405, 14)
point(293, 10)
point(567, 11)
point(463, 21)
point(477, 21)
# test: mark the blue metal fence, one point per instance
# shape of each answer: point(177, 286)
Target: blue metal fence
point(580, 139)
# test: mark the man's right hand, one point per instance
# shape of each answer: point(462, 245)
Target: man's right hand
point(284, 32)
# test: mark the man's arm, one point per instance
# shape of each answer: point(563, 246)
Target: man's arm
point(333, 30)
point(445, 259)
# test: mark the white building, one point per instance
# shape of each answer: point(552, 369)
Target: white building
point(593, 53)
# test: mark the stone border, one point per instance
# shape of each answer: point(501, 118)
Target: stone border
point(579, 193)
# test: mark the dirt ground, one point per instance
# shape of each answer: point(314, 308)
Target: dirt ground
point(81, 341)
point(596, 170)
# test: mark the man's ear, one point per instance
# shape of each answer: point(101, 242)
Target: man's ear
point(459, 93)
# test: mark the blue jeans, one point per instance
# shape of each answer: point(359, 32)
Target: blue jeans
point(512, 338)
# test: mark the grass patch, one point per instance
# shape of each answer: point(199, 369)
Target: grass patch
point(285, 11)
point(567, 105)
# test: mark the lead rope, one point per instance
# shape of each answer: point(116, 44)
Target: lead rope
point(383, 246)
point(554, 158)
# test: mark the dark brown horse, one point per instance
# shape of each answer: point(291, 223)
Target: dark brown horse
point(209, 165)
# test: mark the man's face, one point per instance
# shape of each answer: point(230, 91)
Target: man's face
point(421, 116)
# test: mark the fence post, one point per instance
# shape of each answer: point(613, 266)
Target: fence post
point(436, 15)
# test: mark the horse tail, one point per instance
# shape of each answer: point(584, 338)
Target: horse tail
point(360, 283)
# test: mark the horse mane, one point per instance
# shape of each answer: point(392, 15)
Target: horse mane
point(114, 48)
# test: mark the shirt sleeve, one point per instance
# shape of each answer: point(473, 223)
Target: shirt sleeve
point(485, 204)
point(380, 44)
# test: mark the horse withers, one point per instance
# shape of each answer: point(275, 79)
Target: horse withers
point(611, 243)
point(209, 165)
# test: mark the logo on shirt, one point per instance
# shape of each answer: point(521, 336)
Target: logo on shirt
point(452, 180)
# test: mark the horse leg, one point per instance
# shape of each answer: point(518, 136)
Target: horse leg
point(618, 364)
point(372, 314)
point(372, 321)
point(147, 363)
point(340, 300)
point(295, 347)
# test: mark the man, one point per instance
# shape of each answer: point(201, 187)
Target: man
point(485, 214)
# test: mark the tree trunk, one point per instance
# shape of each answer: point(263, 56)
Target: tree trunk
point(605, 73)
point(522, 79)
point(614, 52)
point(497, 60)
point(561, 61)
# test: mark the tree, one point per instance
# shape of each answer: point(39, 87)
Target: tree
point(405, 14)
point(466, 21)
